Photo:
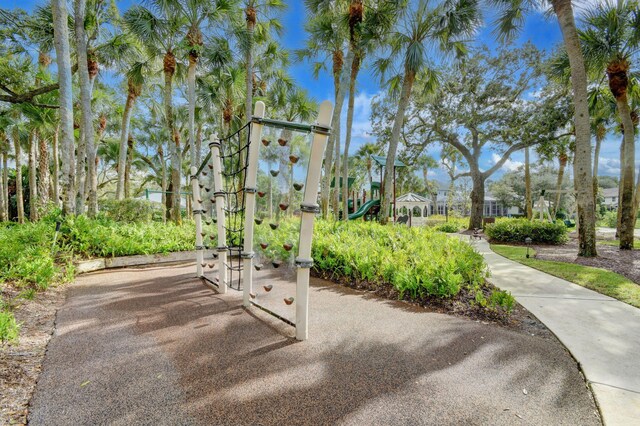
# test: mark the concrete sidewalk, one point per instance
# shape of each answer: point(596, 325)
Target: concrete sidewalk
point(602, 333)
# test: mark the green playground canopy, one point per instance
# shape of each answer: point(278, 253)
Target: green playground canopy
point(349, 182)
point(382, 161)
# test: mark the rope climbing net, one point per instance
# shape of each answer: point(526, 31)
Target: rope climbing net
point(229, 177)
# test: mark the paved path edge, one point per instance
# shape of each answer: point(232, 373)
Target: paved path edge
point(614, 403)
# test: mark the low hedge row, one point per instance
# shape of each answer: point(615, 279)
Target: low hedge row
point(517, 230)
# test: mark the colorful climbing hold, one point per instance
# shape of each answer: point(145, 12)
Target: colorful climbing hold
point(293, 158)
point(283, 206)
point(258, 221)
point(268, 288)
point(266, 142)
point(273, 226)
point(258, 266)
point(276, 263)
point(287, 246)
point(289, 300)
point(264, 246)
point(274, 173)
point(282, 142)
point(298, 186)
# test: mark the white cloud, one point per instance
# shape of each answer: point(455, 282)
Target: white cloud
point(508, 165)
point(608, 166)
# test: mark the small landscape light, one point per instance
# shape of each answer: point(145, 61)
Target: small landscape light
point(528, 242)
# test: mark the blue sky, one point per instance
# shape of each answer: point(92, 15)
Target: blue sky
point(540, 30)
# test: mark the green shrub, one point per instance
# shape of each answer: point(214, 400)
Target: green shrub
point(448, 227)
point(131, 210)
point(9, 328)
point(609, 220)
point(418, 262)
point(516, 230)
point(106, 238)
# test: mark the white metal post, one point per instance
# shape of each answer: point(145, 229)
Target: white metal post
point(214, 146)
point(250, 204)
point(309, 209)
point(197, 216)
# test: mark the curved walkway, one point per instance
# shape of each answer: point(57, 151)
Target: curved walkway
point(154, 346)
point(602, 333)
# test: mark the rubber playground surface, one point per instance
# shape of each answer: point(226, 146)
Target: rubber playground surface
point(155, 346)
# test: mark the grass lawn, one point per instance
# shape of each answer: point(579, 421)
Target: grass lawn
point(616, 243)
point(600, 280)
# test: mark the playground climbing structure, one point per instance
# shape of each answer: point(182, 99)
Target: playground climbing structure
point(227, 182)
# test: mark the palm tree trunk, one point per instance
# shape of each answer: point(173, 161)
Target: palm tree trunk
point(127, 168)
point(81, 173)
point(86, 149)
point(124, 137)
point(3, 185)
point(561, 169)
point(191, 82)
point(338, 65)
point(199, 145)
point(528, 204)
point(169, 69)
point(43, 171)
point(5, 179)
point(407, 84)
point(355, 68)
point(18, 160)
point(250, 14)
point(582, 159)
point(63, 59)
point(56, 169)
point(596, 165)
point(163, 184)
point(627, 218)
point(33, 180)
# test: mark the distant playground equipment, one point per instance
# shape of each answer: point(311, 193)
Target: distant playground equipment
point(412, 209)
point(542, 206)
point(371, 209)
point(233, 164)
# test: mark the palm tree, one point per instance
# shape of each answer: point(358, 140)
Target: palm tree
point(86, 124)
point(441, 27)
point(197, 13)
point(366, 33)
point(610, 40)
point(135, 81)
point(326, 42)
point(363, 154)
point(63, 59)
point(601, 109)
point(160, 30)
point(256, 31)
point(509, 22)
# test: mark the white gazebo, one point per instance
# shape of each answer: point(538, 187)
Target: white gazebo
point(413, 205)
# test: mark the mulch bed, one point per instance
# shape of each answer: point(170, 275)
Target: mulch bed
point(21, 362)
point(623, 262)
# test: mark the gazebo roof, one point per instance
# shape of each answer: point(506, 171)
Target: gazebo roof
point(382, 161)
point(411, 198)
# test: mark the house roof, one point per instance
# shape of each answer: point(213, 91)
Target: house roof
point(610, 192)
point(411, 198)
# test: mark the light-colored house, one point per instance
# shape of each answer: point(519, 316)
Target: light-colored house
point(610, 196)
point(423, 205)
